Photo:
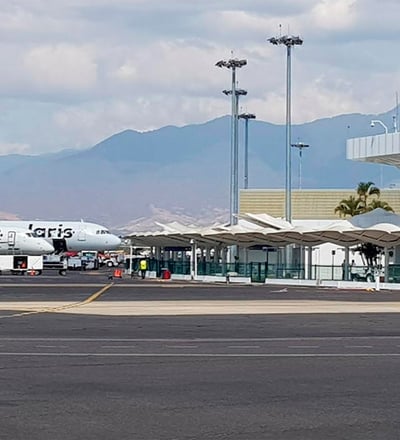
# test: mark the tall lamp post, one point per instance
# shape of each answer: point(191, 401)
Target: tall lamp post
point(373, 122)
point(246, 117)
point(233, 64)
point(235, 157)
point(289, 41)
point(300, 146)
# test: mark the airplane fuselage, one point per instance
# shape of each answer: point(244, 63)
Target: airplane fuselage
point(69, 235)
point(14, 241)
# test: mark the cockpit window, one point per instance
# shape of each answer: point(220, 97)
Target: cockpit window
point(102, 232)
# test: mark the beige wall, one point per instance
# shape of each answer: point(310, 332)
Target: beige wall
point(306, 203)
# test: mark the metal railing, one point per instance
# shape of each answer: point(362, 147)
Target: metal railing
point(259, 272)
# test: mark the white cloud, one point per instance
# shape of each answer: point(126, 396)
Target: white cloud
point(62, 66)
point(334, 14)
point(106, 66)
point(127, 71)
point(13, 148)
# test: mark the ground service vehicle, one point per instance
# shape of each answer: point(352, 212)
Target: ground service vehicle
point(21, 264)
point(55, 262)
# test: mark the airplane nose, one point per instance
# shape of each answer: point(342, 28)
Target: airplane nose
point(116, 241)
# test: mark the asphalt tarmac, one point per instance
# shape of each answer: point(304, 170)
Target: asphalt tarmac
point(69, 375)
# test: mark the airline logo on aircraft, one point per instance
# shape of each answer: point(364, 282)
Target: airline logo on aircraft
point(58, 232)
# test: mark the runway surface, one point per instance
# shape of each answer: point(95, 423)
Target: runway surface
point(245, 374)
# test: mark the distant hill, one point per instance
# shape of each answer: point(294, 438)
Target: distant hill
point(183, 170)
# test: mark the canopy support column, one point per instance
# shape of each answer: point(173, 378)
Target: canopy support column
point(386, 272)
point(309, 262)
point(193, 260)
point(346, 263)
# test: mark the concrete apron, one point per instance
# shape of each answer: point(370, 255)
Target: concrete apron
point(360, 285)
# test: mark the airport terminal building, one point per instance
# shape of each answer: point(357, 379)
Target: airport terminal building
point(307, 204)
point(322, 242)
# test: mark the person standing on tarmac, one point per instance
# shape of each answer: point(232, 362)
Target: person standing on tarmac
point(143, 268)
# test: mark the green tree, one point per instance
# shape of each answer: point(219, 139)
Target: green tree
point(365, 191)
point(349, 207)
point(376, 203)
point(367, 199)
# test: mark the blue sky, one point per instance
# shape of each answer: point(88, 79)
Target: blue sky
point(76, 71)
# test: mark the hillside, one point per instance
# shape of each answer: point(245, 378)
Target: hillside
point(183, 170)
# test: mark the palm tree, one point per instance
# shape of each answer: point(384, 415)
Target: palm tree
point(349, 207)
point(359, 205)
point(366, 190)
point(374, 204)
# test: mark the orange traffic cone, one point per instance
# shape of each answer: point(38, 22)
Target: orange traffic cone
point(117, 273)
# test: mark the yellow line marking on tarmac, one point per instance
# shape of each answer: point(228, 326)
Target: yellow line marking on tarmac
point(88, 300)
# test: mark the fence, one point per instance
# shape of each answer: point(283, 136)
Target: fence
point(259, 272)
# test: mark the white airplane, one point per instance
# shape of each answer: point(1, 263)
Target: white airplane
point(69, 235)
point(17, 241)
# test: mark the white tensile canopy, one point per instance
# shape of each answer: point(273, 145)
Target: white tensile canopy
point(378, 227)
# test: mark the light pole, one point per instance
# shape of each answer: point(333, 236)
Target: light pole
point(373, 122)
point(246, 117)
point(377, 121)
point(233, 64)
point(235, 156)
point(289, 41)
point(300, 146)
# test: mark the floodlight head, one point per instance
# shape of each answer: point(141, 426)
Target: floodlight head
point(227, 92)
point(287, 40)
point(372, 124)
point(235, 62)
point(273, 40)
point(292, 40)
point(232, 63)
point(221, 63)
point(241, 92)
point(300, 146)
point(247, 116)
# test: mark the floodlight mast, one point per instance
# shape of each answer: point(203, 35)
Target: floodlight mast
point(246, 117)
point(289, 41)
point(235, 156)
point(233, 64)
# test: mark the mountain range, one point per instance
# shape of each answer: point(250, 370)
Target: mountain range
point(181, 170)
